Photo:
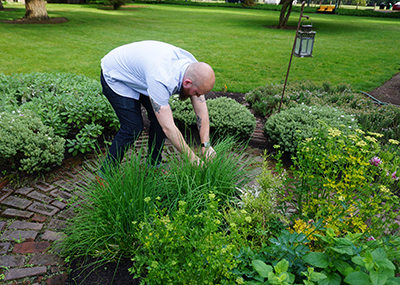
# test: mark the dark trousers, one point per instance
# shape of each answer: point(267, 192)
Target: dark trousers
point(128, 111)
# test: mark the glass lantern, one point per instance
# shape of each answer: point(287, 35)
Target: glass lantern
point(304, 41)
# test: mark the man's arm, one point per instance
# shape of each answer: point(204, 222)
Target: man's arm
point(166, 120)
point(203, 122)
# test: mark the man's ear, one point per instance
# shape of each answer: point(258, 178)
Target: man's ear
point(187, 83)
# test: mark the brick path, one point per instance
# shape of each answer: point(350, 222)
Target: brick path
point(33, 218)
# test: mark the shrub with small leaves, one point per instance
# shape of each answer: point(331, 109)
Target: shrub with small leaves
point(228, 118)
point(291, 126)
point(184, 248)
point(26, 144)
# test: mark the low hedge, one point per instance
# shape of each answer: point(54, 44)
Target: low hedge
point(227, 117)
point(27, 144)
point(293, 125)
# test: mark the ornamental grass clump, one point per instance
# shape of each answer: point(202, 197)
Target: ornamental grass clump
point(109, 217)
point(347, 181)
point(28, 145)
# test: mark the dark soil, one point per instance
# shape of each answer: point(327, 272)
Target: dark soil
point(388, 92)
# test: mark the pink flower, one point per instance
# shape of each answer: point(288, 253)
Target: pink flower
point(370, 238)
point(375, 161)
point(394, 176)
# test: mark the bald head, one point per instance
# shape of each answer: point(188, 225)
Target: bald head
point(202, 76)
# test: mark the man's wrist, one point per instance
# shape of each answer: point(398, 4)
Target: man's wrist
point(206, 144)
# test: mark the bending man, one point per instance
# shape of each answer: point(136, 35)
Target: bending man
point(148, 73)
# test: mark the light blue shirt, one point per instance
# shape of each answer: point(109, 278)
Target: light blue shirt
point(151, 68)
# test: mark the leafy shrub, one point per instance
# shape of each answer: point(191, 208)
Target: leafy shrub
point(183, 248)
point(347, 181)
point(371, 117)
point(228, 118)
point(257, 214)
point(26, 144)
point(264, 100)
point(291, 126)
point(64, 102)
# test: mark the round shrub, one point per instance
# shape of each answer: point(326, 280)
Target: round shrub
point(227, 117)
point(290, 126)
point(26, 144)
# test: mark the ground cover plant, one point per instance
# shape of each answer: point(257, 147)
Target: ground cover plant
point(247, 55)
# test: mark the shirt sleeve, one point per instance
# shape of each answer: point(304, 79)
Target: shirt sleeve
point(158, 92)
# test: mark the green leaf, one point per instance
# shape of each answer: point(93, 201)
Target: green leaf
point(357, 278)
point(378, 278)
point(331, 279)
point(317, 276)
point(317, 259)
point(281, 267)
point(379, 254)
point(342, 266)
point(393, 281)
point(385, 263)
point(358, 260)
point(261, 268)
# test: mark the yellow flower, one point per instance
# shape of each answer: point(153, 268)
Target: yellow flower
point(375, 134)
point(384, 189)
point(211, 196)
point(248, 219)
point(239, 280)
point(334, 132)
point(147, 199)
point(393, 141)
point(360, 131)
point(371, 139)
point(361, 143)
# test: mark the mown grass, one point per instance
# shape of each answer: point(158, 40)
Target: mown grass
point(244, 53)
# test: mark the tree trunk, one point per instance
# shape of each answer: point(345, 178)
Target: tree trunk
point(285, 13)
point(35, 10)
point(1, 6)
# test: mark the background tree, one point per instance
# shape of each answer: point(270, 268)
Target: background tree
point(1, 5)
point(285, 13)
point(35, 10)
point(247, 3)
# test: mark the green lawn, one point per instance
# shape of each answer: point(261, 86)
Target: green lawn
point(244, 53)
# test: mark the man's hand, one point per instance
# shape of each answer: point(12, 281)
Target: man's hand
point(209, 152)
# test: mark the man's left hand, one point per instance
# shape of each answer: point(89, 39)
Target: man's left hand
point(209, 152)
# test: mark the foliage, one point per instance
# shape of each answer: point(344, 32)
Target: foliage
point(286, 246)
point(26, 144)
point(265, 100)
point(365, 13)
point(85, 140)
point(228, 118)
point(291, 126)
point(383, 119)
point(116, 4)
point(354, 260)
point(71, 105)
point(347, 181)
point(257, 215)
point(103, 226)
point(183, 248)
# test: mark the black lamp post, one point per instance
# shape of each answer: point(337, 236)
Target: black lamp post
point(302, 46)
